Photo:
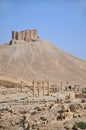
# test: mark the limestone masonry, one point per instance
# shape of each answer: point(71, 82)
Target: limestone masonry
point(24, 36)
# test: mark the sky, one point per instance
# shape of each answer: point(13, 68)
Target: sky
point(62, 22)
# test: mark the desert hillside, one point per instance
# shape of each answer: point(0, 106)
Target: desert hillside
point(41, 60)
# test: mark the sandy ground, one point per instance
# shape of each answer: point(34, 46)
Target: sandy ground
point(41, 61)
point(21, 111)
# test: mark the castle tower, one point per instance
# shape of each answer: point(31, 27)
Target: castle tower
point(13, 35)
point(24, 36)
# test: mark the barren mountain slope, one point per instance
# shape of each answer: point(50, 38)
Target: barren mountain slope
point(41, 60)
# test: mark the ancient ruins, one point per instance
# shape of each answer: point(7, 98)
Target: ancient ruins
point(41, 105)
point(24, 36)
point(41, 88)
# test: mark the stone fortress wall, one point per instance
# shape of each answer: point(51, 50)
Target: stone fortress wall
point(24, 36)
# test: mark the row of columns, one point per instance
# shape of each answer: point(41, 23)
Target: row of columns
point(41, 86)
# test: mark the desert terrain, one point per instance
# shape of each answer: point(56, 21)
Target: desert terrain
point(41, 86)
point(41, 60)
point(61, 109)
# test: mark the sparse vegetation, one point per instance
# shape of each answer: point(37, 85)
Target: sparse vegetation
point(81, 125)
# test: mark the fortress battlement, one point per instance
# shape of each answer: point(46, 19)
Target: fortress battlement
point(24, 36)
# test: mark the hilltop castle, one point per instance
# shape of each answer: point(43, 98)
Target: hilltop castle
point(24, 36)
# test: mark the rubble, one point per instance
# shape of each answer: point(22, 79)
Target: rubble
point(41, 112)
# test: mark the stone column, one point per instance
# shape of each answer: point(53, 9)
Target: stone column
point(38, 86)
point(48, 88)
point(43, 87)
point(33, 88)
point(61, 86)
point(21, 86)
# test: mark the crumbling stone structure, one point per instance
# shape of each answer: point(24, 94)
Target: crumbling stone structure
point(24, 36)
point(41, 86)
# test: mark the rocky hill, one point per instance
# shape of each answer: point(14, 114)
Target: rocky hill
point(40, 60)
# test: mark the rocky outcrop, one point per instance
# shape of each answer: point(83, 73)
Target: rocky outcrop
point(24, 36)
point(9, 83)
point(12, 84)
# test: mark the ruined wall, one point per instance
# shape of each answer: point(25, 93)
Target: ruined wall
point(9, 84)
point(26, 35)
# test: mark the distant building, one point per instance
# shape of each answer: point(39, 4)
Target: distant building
point(24, 36)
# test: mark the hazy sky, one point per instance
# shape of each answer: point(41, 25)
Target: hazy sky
point(62, 22)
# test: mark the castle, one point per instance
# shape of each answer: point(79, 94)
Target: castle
point(24, 36)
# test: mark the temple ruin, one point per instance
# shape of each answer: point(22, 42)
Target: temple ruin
point(41, 88)
point(24, 36)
